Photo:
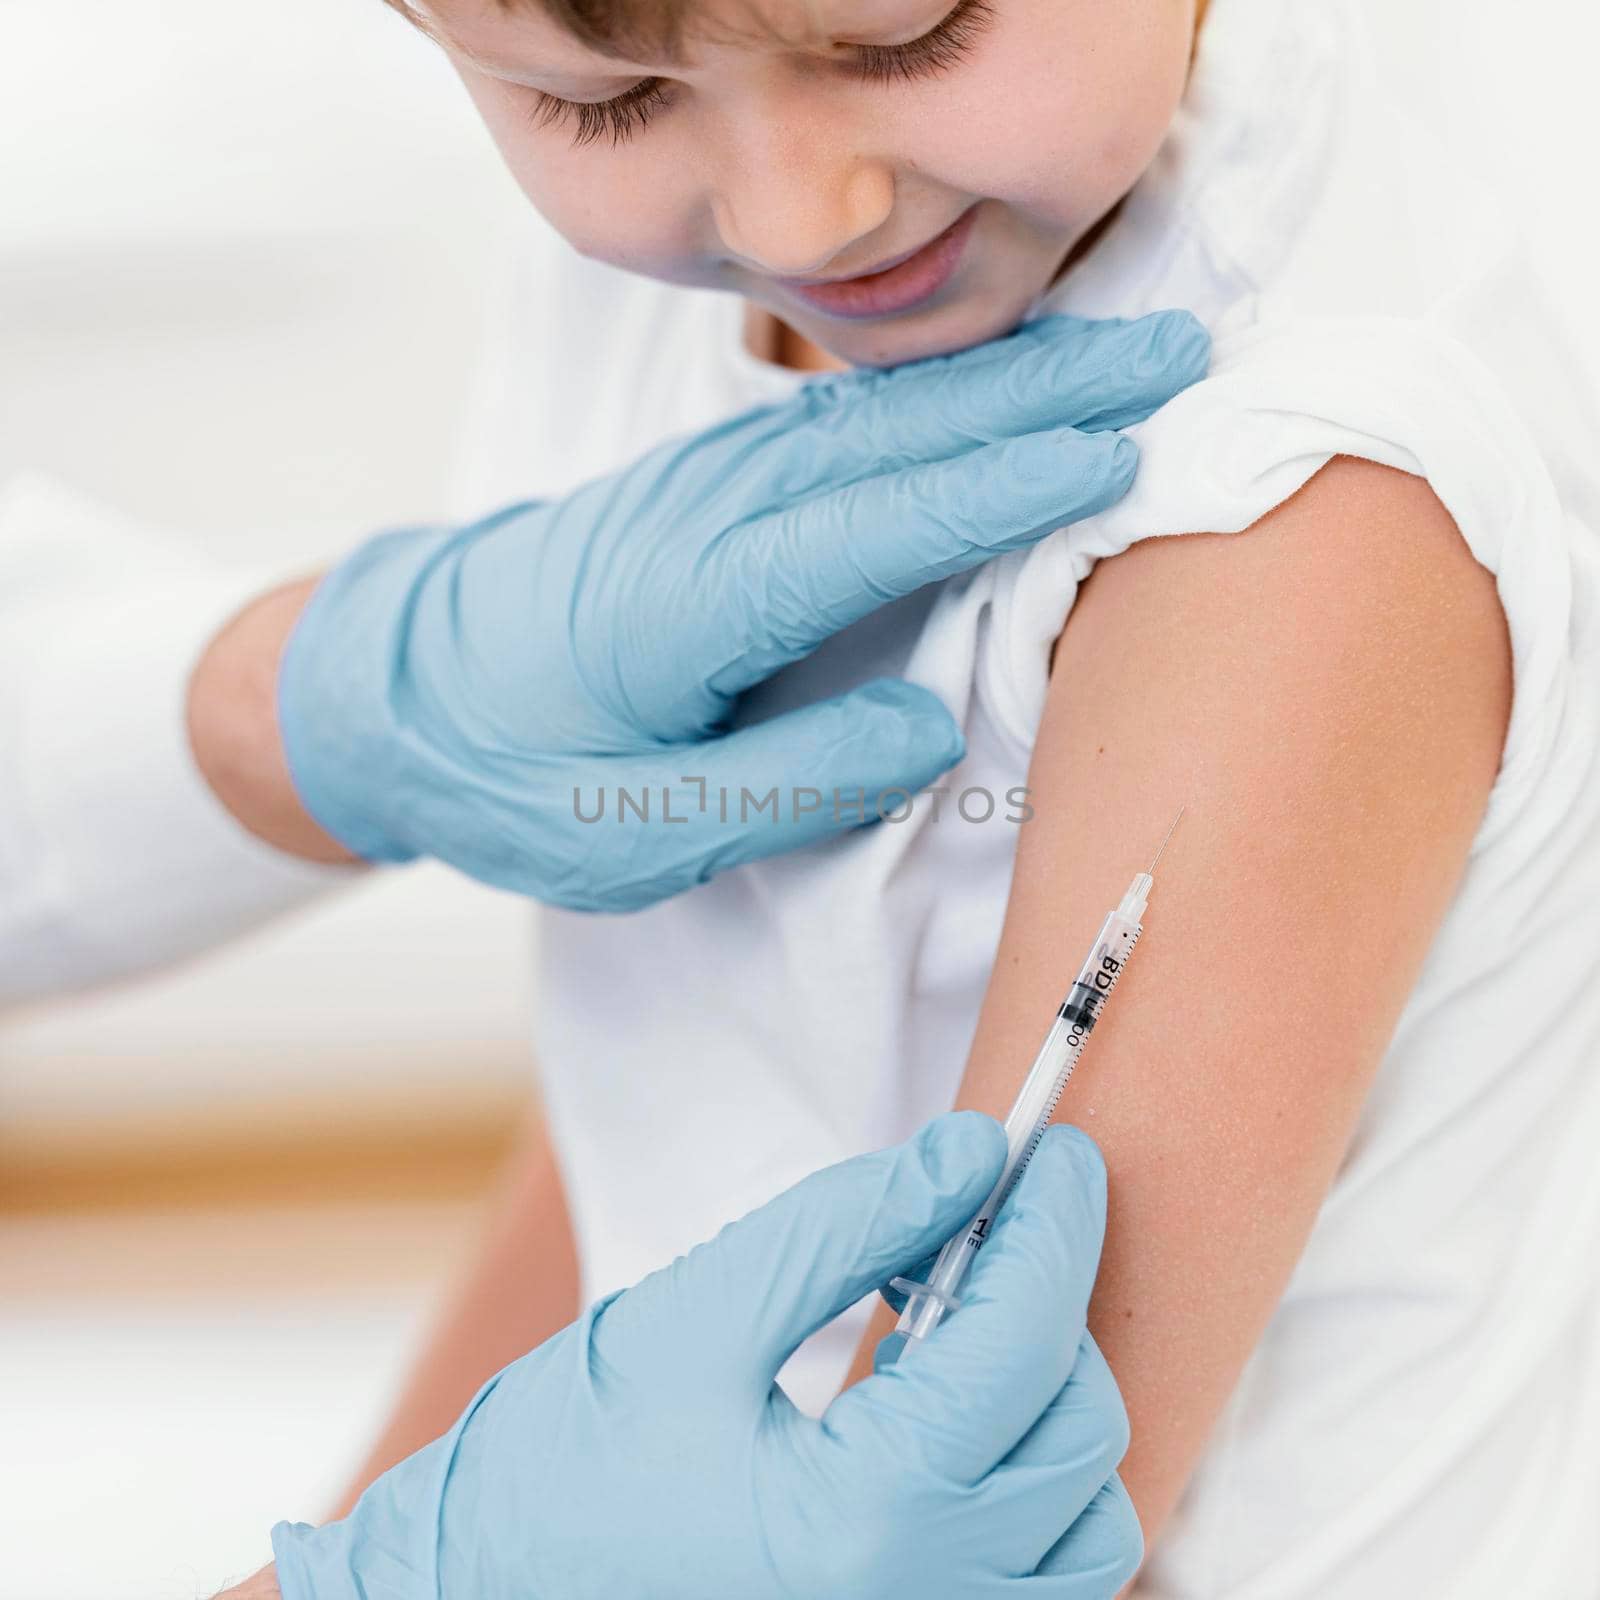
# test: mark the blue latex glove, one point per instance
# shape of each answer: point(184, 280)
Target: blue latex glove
point(462, 694)
point(645, 1453)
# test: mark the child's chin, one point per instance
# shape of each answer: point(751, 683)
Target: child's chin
point(892, 342)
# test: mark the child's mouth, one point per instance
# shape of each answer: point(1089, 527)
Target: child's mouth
point(897, 288)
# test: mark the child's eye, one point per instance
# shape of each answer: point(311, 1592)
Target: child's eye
point(937, 50)
point(621, 117)
point(940, 48)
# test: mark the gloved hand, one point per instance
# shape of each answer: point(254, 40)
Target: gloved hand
point(645, 1453)
point(470, 694)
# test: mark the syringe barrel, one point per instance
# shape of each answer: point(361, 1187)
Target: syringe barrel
point(1030, 1113)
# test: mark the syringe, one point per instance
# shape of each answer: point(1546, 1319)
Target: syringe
point(926, 1303)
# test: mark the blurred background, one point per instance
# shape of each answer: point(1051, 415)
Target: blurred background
point(245, 255)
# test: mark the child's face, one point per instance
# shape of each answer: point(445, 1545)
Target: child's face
point(768, 156)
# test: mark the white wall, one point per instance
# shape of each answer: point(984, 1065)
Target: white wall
point(1513, 89)
point(243, 257)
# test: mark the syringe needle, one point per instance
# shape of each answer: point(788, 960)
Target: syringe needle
point(1170, 831)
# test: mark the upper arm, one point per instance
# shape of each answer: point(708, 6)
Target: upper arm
point(1327, 693)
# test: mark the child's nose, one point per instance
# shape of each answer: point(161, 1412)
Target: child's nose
point(795, 207)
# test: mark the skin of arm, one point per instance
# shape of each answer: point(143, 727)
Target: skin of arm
point(262, 1585)
point(520, 1288)
point(1328, 694)
point(232, 720)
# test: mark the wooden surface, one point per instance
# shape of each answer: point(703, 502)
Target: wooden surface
point(423, 1144)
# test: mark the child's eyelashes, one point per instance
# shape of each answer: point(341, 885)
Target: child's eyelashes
point(621, 117)
point(936, 51)
point(626, 114)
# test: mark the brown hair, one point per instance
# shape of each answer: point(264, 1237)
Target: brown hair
point(637, 29)
point(645, 29)
point(647, 26)
point(640, 30)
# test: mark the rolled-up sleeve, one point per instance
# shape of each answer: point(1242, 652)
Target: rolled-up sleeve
point(115, 855)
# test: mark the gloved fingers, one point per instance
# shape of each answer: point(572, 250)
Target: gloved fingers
point(844, 426)
point(1061, 1480)
point(833, 765)
point(792, 578)
point(1058, 371)
point(1087, 1417)
point(889, 1349)
point(1097, 1555)
point(742, 1303)
point(895, 1298)
point(1065, 1457)
point(1128, 370)
point(691, 813)
point(962, 1399)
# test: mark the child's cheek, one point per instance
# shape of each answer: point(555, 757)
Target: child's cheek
point(625, 206)
point(633, 215)
point(1061, 126)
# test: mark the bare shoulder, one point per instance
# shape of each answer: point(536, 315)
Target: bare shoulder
point(1382, 532)
point(1351, 628)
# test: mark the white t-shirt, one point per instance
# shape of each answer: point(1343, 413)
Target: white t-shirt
point(1422, 1414)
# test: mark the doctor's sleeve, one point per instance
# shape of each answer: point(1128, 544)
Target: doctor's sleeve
point(115, 856)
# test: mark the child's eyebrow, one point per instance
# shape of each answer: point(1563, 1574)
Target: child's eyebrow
point(595, 66)
point(668, 44)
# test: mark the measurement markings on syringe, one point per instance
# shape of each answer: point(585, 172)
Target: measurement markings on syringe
point(1081, 1009)
point(1082, 1017)
point(927, 1302)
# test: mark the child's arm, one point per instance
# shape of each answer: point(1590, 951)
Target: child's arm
point(1328, 693)
point(520, 1287)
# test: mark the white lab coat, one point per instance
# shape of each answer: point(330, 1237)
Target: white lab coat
point(115, 856)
